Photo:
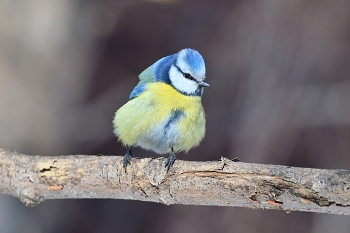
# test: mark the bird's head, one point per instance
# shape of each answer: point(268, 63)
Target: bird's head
point(187, 72)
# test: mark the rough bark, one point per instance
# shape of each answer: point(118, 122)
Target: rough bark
point(34, 179)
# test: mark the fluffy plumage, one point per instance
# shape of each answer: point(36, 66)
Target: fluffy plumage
point(164, 112)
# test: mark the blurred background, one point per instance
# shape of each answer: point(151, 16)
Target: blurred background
point(279, 75)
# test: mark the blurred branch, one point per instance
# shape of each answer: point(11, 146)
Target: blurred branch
point(34, 179)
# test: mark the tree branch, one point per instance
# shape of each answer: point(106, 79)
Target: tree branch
point(34, 179)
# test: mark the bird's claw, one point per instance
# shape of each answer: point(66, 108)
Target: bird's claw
point(127, 158)
point(170, 161)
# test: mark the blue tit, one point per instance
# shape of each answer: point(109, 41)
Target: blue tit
point(164, 112)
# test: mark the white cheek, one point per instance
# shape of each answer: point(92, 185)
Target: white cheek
point(181, 83)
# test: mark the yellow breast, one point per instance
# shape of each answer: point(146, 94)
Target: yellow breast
point(144, 121)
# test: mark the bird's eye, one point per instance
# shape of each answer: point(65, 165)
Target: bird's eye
point(187, 75)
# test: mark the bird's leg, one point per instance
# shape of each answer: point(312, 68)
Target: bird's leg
point(127, 157)
point(170, 160)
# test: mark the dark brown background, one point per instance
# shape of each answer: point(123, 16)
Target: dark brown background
point(279, 75)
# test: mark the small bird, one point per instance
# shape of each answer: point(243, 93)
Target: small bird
point(164, 112)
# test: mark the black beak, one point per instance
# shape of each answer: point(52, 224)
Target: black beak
point(203, 84)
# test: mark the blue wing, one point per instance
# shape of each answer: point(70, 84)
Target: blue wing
point(138, 90)
point(147, 76)
point(158, 72)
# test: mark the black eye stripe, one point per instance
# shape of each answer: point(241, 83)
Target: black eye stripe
point(186, 75)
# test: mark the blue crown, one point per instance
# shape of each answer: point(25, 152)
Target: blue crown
point(194, 60)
